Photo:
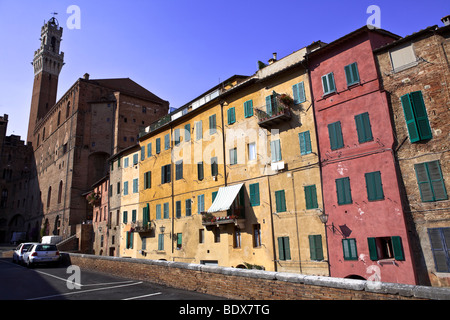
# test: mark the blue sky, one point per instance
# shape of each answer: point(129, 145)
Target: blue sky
point(178, 49)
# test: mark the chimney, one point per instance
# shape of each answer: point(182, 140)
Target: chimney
point(273, 59)
point(86, 76)
point(446, 20)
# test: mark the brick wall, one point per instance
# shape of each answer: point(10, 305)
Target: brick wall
point(253, 284)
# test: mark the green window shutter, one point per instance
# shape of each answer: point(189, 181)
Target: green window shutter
point(298, 91)
point(125, 188)
point(420, 113)
point(135, 185)
point(343, 191)
point(372, 242)
point(440, 246)
point(131, 240)
point(254, 195)
point(176, 136)
point(349, 249)
point(331, 84)
point(161, 242)
point(269, 105)
point(167, 142)
point(200, 203)
point(231, 115)
point(158, 145)
point(280, 201)
point(335, 134)
point(125, 217)
point(200, 174)
point(311, 197)
point(212, 124)
point(426, 193)
point(305, 142)
point(188, 207)
point(248, 108)
point(133, 215)
point(128, 240)
point(363, 127)
point(142, 153)
point(198, 130)
point(179, 170)
point(328, 83)
point(146, 214)
point(187, 132)
point(437, 180)
point(315, 247)
point(178, 209)
point(179, 240)
point(166, 210)
point(410, 119)
point(287, 249)
point(374, 186)
point(281, 255)
point(158, 211)
point(214, 195)
point(351, 74)
point(398, 248)
point(233, 156)
point(325, 84)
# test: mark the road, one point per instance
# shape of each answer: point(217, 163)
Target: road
point(59, 283)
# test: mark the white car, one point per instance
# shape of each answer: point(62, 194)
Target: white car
point(20, 251)
point(41, 253)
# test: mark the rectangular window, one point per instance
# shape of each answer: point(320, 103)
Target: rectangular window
point(176, 136)
point(135, 185)
point(179, 240)
point(311, 197)
point(298, 91)
point(201, 236)
point(142, 153)
point(344, 195)
point(430, 181)
point(188, 208)
point(254, 195)
point(158, 212)
point(148, 180)
point(252, 151)
point(158, 145)
point(125, 217)
point(374, 186)
point(166, 174)
point(315, 247)
point(386, 248)
point(160, 242)
point(214, 195)
point(403, 57)
point(216, 232)
point(125, 188)
point(198, 130)
point(237, 237)
point(305, 143)
point(125, 162)
point(212, 124)
point(187, 132)
point(179, 170)
point(200, 173)
point(149, 150)
point(233, 156)
point(118, 187)
point(248, 108)
point(231, 115)
point(349, 248)
point(167, 141)
point(363, 127)
point(416, 117)
point(214, 166)
point(351, 74)
point(284, 251)
point(271, 104)
point(335, 134)
point(201, 203)
point(135, 159)
point(275, 149)
point(440, 247)
point(328, 83)
point(280, 201)
point(256, 235)
point(178, 209)
point(166, 210)
point(133, 215)
point(129, 240)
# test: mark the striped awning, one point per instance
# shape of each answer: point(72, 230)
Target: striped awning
point(225, 198)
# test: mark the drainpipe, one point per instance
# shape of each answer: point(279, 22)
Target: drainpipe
point(223, 144)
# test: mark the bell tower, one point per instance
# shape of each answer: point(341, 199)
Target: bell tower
point(47, 63)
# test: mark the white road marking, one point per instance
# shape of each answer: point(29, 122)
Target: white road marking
point(147, 295)
point(84, 291)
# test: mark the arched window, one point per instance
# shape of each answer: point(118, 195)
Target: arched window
point(59, 118)
point(49, 196)
point(4, 198)
point(60, 191)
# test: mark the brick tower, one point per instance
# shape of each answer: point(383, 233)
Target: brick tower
point(47, 64)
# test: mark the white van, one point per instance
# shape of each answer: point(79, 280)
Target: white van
point(51, 239)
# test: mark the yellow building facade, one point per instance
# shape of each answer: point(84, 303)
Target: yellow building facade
point(232, 178)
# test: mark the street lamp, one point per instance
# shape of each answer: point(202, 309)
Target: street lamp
point(162, 229)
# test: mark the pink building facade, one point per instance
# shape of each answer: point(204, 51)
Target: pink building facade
point(366, 230)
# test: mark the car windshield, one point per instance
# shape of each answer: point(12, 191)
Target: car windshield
point(46, 247)
point(26, 246)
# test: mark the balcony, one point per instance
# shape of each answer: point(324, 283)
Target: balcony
point(143, 227)
point(276, 111)
point(234, 216)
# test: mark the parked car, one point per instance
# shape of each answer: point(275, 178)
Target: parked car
point(20, 251)
point(41, 253)
point(51, 239)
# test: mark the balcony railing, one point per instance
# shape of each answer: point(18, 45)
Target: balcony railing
point(233, 216)
point(278, 111)
point(143, 226)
